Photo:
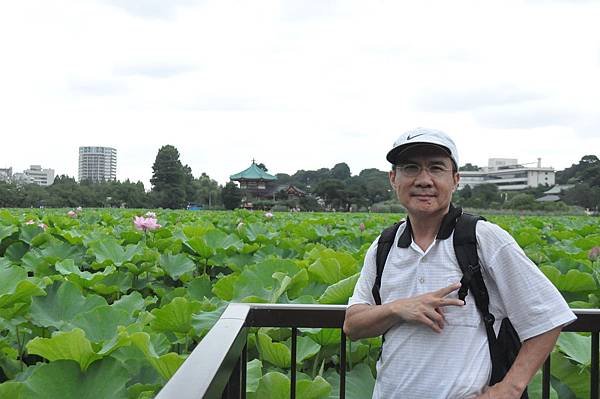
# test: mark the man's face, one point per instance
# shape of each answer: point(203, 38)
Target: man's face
point(424, 180)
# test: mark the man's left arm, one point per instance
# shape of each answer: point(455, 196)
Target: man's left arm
point(532, 355)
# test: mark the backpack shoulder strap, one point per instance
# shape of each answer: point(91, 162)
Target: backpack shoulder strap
point(465, 248)
point(384, 245)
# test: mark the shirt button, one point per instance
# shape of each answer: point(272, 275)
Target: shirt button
point(422, 280)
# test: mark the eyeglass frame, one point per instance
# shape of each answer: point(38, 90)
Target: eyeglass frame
point(401, 168)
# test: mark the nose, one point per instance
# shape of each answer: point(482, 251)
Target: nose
point(423, 179)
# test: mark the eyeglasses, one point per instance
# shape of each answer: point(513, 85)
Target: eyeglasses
point(414, 170)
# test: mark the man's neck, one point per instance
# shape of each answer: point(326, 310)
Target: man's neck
point(425, 227)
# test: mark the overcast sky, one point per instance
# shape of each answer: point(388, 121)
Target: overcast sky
point(295, 84)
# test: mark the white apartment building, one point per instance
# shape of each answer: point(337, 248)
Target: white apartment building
point(97, 164)
point(508, 175)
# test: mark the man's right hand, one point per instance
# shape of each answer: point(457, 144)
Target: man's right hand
point(365, 321)
point(428, 308)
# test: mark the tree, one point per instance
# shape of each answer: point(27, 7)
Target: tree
point(341, 171)
point(468, 167)
point(168, 179)
point(332, 192)
point(231, 196)
point(262, 166)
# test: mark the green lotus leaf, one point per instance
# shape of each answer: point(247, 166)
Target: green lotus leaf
point(132, 303)
point(204, 321)
point(166, 365)
point(324, 336)
point(63, 379)
point(86, 279)
point(276, 353)
point(534, 389)
point(16, 287)
point(200, 288)
point(217, 240)
point(12, 389)
point(118, 281)
point(318, 388)
point(332, 267)
point(306, 348)
point(176, 265)
point(573, 281)
point(29, 232)
point(175, 316)
point(101, 323)
point(62, 304)
point(200, 247)
point(359, 382)
point(273, 385)
point(224, 286)
point(253, 375)
point(110, 251)
point(72, 345)
point(60, 251)
point(577, 379)
point(258, 281)
point(576, 347)
point(340, 292)
point(299, 282)
point(7, 231)
point(16, 251)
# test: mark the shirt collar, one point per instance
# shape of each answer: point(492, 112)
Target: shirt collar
point(446, 228)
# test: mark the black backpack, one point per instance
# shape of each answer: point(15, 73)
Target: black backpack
point(503, 348)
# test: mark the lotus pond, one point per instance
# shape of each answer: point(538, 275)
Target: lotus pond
point(93, 305)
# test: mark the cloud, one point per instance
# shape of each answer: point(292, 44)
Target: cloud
point(525, 116)
point(151, 8)
point(97, 87)
point(472, 98)
point(154, 71)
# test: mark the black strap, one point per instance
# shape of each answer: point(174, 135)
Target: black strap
point(384, 245)
point(465, 248)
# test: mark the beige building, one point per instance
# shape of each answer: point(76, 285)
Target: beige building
point(508, 175)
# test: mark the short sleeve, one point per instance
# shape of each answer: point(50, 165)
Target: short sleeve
point(528, 298)
point(362, 291)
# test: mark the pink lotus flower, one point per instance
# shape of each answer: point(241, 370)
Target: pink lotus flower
point(30, 221)
point(150, 215)
point(268, 215)
point(79, 209)
point(145, 224)
point(594, 254)
point(42, 226)
point(361, 227)
point(72, 214)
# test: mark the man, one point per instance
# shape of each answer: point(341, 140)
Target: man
point(435, 344)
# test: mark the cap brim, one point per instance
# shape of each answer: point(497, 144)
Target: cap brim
point(396, 152)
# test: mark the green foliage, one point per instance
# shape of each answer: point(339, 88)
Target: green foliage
point(231, 196)
point(95, 304)
point(169, 179)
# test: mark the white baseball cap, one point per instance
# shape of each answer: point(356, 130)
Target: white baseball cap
point(422, 135)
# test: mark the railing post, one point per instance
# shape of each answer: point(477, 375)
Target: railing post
point(546, 379)
point(293, 362)
point(233, 388)
point(343, 366)
point(594, 372)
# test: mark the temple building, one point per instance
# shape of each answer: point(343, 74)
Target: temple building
point(255, 182)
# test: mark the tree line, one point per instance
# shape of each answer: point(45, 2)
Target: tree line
point(175, 187)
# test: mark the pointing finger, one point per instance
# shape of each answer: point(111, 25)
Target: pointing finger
point(447, 290)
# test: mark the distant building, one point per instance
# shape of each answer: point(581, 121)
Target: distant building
point(5, 174)
point(508, 175)
point(97, 164)
point(39, 176)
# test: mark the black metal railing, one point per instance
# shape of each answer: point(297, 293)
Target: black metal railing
point(217, 366)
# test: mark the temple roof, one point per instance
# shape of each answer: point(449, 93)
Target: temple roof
point(252, 173)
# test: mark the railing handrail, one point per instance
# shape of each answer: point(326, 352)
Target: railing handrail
point(205, 372)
